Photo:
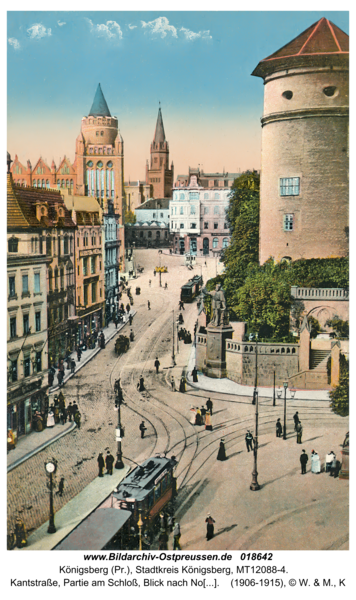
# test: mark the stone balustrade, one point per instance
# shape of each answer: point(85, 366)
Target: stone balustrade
point(303, 293)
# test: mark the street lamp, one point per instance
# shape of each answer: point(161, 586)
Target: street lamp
point(254, 483)
point(274, 384)
point(285, 385)
point(118, 401)
point(255, 393)
point(51, 468)
point(173, 355)
point(140, 524)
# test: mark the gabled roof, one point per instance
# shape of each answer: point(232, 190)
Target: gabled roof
point(99, 107)
point(41, 163)
point(320, 42)
point(159, 133)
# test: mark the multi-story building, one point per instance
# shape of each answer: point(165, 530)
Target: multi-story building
point(304, 181)
point(198, 219)
point(158, 173)
point(207, 180)
point(151, 228)
point(89, 265)
point(136, 193)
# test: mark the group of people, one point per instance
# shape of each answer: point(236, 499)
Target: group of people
point(59, 413)
point(185, 335)
point(297, 428)
point(202, 416)
point(108, 462)
point(332, 465)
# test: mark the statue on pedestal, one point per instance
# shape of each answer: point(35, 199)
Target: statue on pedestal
point(218, 303)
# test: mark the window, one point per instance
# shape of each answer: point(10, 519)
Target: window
point(181, 210)
point(225, 242)
point(206, 210)
point(288, 222)
point(26, 324)
point(216, 210)
point(206, 225)
point(26, 366)
point(85, 266)
point(93, 261)
point(226, 226)
point(192, 209)
point(85, 295)
point(56, 278)
point(62, 278)
point(49, 246)
point(329, 91)
point(13, 244)
point(215, 242)
point(12, 291)
point(181, 196)
point(65, 245)
point(288, 94)
point(206, 196)
point(50, 280)
point(193, 226)
point(181, 225)
point(38, 362)
point(13, 370)
point(216, 225)
point(25, 284)
point(13, 327)
point(37, 283)
point(289, 186)
point(161, 215)
point(194, 196)
point(216, 196)
point(38, 320)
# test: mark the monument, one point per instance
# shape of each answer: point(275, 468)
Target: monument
point(217, 332)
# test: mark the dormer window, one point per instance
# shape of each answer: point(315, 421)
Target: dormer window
point(13, 244)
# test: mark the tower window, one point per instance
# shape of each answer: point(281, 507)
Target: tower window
point(289, 186)
point(330, 90)
point(288, 222)
point(288, 95)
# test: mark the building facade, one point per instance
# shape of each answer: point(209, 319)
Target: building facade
point(158, 173)
point(136, 193)
point(207, 180)
point(198, 219)
point(304, 180)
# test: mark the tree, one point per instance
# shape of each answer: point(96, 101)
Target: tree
point(130, 217)
point(314, 327)
point(339, 396)
point(340, 327)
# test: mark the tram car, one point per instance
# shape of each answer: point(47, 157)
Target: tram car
point(191, 289)
point(148, 491)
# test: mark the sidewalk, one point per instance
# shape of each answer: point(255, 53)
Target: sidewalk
point(75, 511)
point(34, 442)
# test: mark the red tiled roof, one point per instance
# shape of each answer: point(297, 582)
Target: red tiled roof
point(21, 207)
point(322, 39)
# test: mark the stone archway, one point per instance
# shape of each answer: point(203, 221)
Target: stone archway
point(323, 314)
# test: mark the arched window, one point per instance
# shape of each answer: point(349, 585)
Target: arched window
point(63, 183)
point(215, 242)
point(206, 196)
point(13, 244)
point(43, 183)
point(225, 242)
point(216, 210)
point(217, 196)
point(50, 280)
point(62, 278)
point(58, 183)
point(71, 183)
point(56, 278)
point(67, 183)
point(47, 183)
point(34, 183)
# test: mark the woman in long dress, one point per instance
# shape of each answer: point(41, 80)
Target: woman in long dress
point(192, 415)
point(208, 424)
point(198, 417)
point(315, 462)
point(222, 452)
point(50, 418)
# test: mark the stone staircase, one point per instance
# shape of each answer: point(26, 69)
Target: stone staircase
point(319, 359)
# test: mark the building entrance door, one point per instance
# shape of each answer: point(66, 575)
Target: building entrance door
point(181, 246)
point(205, 246)
point(193, 246)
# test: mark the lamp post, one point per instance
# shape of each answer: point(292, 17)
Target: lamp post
point(255, 393)
point(285, 385)
point(173, 355)
point(160, 273)
point(254, 483)
point(274, 384)
point(118, 401)
point(51, 468)
point(140, 524)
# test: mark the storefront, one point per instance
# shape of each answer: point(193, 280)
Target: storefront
point(22, 406)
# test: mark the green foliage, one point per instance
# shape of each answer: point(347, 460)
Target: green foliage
point(339, 396)
point(314, 327)
point(130, 217)
point(340, 327)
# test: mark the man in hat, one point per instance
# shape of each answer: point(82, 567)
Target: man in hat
point(209, 527)
point(249, 440)
point(142, 428)
point(296, 420)
point(278, 428)
point(303, 461)
point(101, 465)
point(209, 406)
point(157, 365)
point(109, 461)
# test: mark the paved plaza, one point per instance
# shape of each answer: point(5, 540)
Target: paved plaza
point(290, 511)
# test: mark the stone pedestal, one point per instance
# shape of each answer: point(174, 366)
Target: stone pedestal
point(215, 350)
point(344, 472)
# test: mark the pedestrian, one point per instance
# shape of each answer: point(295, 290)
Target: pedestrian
point(142, 428)
point(222, 452)
point(180, 319)
point(101, 464)
point(60, 376)
point(77, 418)
point(208, 424)
point(130, 319)
point(182, 387)
point(198, 417)
point(249, 440)
point(303, 461)
point(315, 462)
point(141, 384)
point(20, 533)
point(195, 374)
point(116, 320)
point(203, 413)
point(61, 486)
point(278, 428)
point(154, 272)
point(166, 286)
point(299, 433)
point(79, 354)
point(149, 283)
point(170, 522)
point(296, 420)
point(50, 418)
point(173, 384)
point(72, 366)
point(209, 406)
point(157, 364)
point(329, 460)
point(132, 336)
point(102, 340)
point(148, 305)
point(61, 400)
point(163, 540)
point(209, 527)
point(176, 537)
point(51, 374)
point(64, 415)
point(70, 411)
point(75, 408)
point(333, 467)
point(109, 461)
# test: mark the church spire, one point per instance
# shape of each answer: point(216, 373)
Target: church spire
point(99, 107)
point(159, 133)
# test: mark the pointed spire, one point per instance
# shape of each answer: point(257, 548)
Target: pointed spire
point(99, 107)
point(159, 133)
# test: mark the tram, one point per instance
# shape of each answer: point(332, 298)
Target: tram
point(191, 289)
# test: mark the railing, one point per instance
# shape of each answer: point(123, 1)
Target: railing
point(262, 348)
point(319, 293)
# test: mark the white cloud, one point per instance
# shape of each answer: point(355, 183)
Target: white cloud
point(132, 26)
point(15, 43)
point(191, 35)
point(110, 29)
point(160, 27)
point(61, 23)
point(38, 31)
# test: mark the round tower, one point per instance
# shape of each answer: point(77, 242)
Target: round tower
point(304, 176)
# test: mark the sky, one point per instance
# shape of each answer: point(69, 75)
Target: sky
point(197, 64)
